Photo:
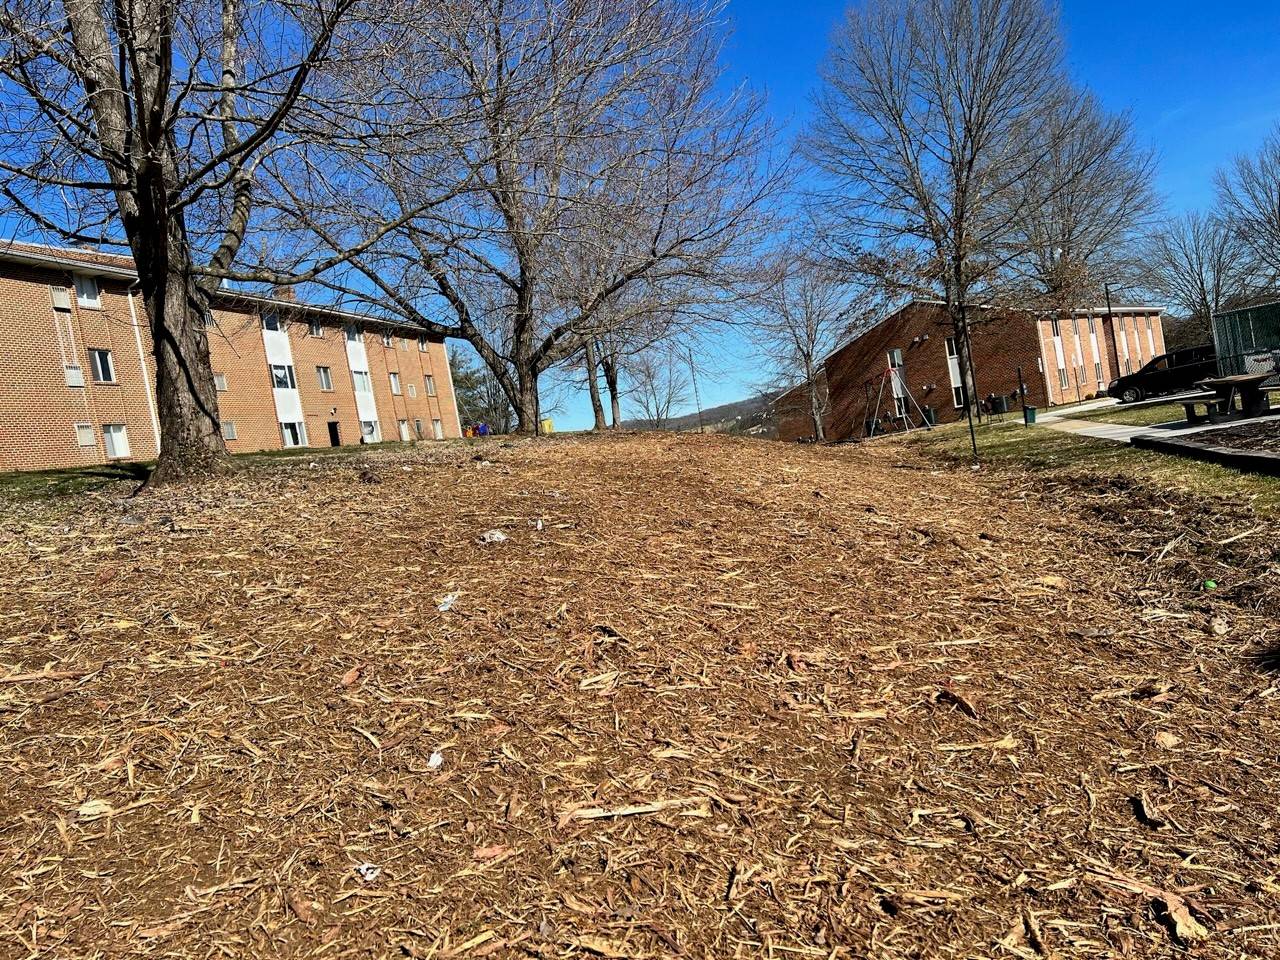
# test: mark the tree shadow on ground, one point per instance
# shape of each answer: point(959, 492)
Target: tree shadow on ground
point(53, 484)
point(1268, 659)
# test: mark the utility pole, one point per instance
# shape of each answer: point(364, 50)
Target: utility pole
point(697, 400)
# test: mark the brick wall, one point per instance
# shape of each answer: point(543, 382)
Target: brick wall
point(856, 373)
point(39, 411)
point(1002, 341)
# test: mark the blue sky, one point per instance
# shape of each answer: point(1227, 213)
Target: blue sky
point(1202, 81)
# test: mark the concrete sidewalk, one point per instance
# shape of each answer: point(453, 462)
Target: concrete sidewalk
point(1124, 433)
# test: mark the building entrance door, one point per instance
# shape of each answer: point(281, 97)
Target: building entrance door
point(335, 436)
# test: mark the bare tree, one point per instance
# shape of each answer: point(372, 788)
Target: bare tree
point(803, 314)
point(141, 123)
point(1082, 211)
point(1249, 197)
point(598, 124)
point(659, 384)
point(933, 116)
point(1201, 265)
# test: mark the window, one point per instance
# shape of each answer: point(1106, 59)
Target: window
point(1093, 325)
point(386, 340)
point(314, 329)
point(362, 381)
point(404, 343)
point(282, 377)
point(85, 436)
point(1062, 377)
point(324, 376)
point(369, 431)
point(957, 397)
point(293, 434)
point(271, 321)
point(229, 429)
point(395, 383)
point(1097, 370)
point(116, 440)
point(404, 429)
point(413, 391)
point(951, 347)
point(104, 371)
point(900, 406)
point(220, 382)
point(417, 429)
point(437, 429)
point(74, 374)
point(87, 292)
point(353, 333)
point(208, 321)
point(1055, 328)
point(61, 299)
point(422, 344)
point(431, 385)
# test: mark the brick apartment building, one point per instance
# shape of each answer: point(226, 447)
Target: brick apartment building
point(77, 376)
point(1063, 359)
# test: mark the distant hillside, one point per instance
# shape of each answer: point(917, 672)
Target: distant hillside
point(749, 416)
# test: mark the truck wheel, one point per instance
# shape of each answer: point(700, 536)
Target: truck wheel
point(1130, 395)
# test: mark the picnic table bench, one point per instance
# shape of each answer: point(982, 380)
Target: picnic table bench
point(1220, 393)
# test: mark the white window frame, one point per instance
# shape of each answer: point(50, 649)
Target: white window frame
point(272, 320)
point(437, 428)
point(299, 431)
point(85, 435)
point(422, 344)
point(417, 428)
point(74, 374)
point(403, 427)
point(388, 340)
point(220, 382)
point(362, 381)
point(413, 391)
point(394, 377)
point(370, 431)
point(290, 378)
point(430, 383)
point(115, 441)
point(324, 377)
point(88, 294)
point(103, 365)
point(229, 430)
point(315, 329)
point(352, 333)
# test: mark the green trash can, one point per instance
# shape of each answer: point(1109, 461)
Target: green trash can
point(1029, 415)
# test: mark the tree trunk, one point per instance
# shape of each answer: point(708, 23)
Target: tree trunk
point(526, 404)
point(593, 385)
point(191, 443)
point(815, 410)
point(964, 358)
point(610, 367)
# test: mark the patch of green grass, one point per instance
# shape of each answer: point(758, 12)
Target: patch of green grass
point(70, 482)
point(1011, 446)
point(1135, 416)
point(43, 485)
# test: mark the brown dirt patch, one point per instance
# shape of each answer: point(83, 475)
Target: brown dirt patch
point(710, 698)
point(1251, 436)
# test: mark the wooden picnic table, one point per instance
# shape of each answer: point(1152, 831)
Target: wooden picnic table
point(1246, 386)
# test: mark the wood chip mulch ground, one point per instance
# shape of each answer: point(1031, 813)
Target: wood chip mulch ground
point(1264, 436)
point(703, 698)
